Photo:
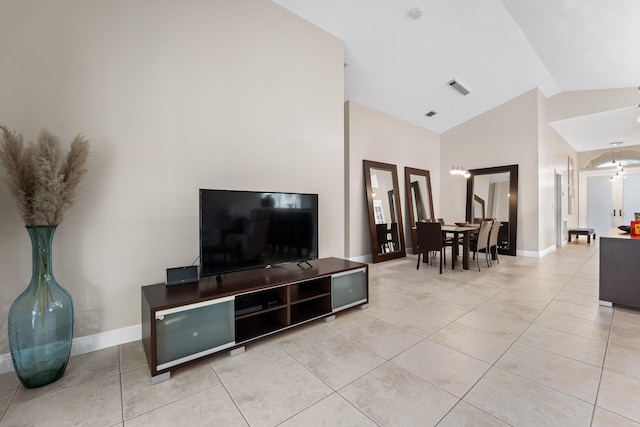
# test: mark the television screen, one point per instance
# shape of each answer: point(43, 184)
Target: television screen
point(246, 229)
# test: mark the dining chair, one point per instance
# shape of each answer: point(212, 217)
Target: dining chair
point(481, 242)
point(433, 253)
point(429, 240)
point(382, 235)
point(493, 238)
point(451, 242)
point(395, 237)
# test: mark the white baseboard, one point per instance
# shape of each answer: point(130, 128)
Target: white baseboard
point(531, 254)
point(88, 343)
point(547, 251)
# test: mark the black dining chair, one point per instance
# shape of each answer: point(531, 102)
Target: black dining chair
point(429, 240)
point(453, 242)
point(382, 234)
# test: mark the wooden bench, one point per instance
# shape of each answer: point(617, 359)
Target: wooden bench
point(582, 232)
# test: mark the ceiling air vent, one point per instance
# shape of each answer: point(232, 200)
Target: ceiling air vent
point(431, 113)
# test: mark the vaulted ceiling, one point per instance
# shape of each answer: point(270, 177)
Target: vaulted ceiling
point(498, 49)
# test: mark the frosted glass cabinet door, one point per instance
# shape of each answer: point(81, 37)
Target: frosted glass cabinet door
point(192, 331)
point(348, 289)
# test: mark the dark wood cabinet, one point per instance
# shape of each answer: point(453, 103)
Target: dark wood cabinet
point(183, 323)
point(619, 258)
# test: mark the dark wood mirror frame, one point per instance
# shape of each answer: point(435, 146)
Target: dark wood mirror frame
point(480, 203)
point(411, 190)
point(513, 201)
point(397, 230)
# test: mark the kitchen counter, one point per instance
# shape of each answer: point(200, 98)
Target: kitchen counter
point(619, 269)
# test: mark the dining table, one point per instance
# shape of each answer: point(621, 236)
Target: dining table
point(464, 232)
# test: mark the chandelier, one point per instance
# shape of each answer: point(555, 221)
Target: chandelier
point(616, 163)
point(458, 170)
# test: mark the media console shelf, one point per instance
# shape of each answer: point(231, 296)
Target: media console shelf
point(183, 323)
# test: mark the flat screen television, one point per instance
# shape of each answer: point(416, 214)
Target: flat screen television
point(241, 230)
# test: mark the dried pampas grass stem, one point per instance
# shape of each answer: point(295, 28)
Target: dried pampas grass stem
point(43, 181)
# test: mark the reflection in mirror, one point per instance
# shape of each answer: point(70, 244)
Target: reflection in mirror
point(493, 193)
point(478, 208)
point(491, 196)
point(419, 199)
point(385, 214)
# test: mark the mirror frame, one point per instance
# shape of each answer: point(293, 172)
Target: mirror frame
point(408, 171)
point(378, 257)
point(513, 201)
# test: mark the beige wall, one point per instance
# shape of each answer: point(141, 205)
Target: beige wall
point(554, 154)
point(517, 132)
point(175, 96)
point(567, 105)
point(505, 135)
point(555, 151)
point(372, 135)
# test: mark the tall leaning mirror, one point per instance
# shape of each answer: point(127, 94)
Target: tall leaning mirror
point(493, 193)
point(385, 214)
point(419, 199)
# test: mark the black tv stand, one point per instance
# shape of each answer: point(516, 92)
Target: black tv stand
point(181, 324)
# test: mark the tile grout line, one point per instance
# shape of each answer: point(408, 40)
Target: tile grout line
point(121, 384)
point(493, 365)
point(235, 403)
point(461, 399)
point(604, 360)
point(13, 398)
point(334, 390)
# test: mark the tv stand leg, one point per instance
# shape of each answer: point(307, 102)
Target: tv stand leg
point(236, 351)
point(363, 306)
point(329, 319)
point(160, 378)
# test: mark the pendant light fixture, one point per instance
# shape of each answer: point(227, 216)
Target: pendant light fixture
point(616, 162)
point(459, 114)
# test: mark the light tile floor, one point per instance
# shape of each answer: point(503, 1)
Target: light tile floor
point(523, 343)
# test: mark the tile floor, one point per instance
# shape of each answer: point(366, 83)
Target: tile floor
point(523, 343)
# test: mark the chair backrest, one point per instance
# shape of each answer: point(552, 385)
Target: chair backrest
point(382, 233)
point(483, 234)
point(441, 221)
point(394, 233)
point(429, 236)
point(493, 234)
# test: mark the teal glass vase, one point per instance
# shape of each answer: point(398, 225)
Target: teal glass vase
point(41, 319)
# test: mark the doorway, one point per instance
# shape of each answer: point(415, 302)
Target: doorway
point(558, 203)
point(607, 202)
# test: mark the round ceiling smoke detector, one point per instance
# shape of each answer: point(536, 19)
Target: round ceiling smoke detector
point(415, 13)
